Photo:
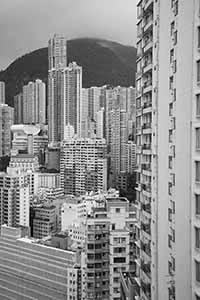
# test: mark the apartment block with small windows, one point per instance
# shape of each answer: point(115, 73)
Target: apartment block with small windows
point(167, 133)
point(109, 248)
point(83, 166)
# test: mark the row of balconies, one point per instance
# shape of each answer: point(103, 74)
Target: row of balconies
point(144, 7)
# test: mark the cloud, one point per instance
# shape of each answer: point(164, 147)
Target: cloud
point(26, 25)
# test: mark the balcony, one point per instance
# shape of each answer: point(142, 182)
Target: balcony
point(146, 146)
point(147, 67)
point(146, 268)
point(147, 5)
point(138, 148)
point(138, 112)
point(146, 247)
point(146, 128)
point(138, 92)
point(138, 130)
point(147, 87)
point(147, 46)
point(147, 107)
point(148, 23)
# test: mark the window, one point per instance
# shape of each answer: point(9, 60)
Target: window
point(171, 81)
point(170, 214)
point(170, 109)
point(170, 268)
point(170, 188)
point(113, 226)
point(197, 164)
point(172, 27)
point(170, 162)
point(118, 260)
point(175, 37)
point(198, 105)
point(117, 210)
point(198, 71)
point(169, 241)
point(171, 55)
point(173, 264)
point(170, 136)
point(197, 200)
point(176, 8)
point(197, 238)
point(197, 271)
point(197, 138)
point(198, 40)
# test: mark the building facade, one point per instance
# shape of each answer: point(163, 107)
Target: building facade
point(57, 58)
point(167, 131)
point(14, 198)
point(83, 166)
point(2, 92)
point(6, 121)
point(33, 270)
point(109, 248)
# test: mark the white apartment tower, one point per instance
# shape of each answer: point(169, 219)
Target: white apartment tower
point(2, 92)
point(14, 198)
point(34, 103)
point(168, 128)
point(57, 57)
point(71, 99)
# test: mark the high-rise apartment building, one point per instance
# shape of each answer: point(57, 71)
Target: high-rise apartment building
point(34, 103)
point(14, 198)
point(57, 57)
point(83, 166)
point(109, 248)
point(6, 121)
point(2, 92)
point(167, 128)
point(57, 52)
point(71, 99)
point(119, 139)
point(18, 109)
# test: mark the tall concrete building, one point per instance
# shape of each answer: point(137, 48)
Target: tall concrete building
point(57, 57)
point(14, 198)
point(18, 109)
point(34, 103)
point(71, 99)
point(83, 166)
point(109, 248)
point(2, 92)
point(167, 126)
point(6, 121)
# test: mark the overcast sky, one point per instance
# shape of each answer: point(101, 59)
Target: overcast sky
point(26, 25)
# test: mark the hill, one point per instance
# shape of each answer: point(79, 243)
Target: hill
point(103, 62)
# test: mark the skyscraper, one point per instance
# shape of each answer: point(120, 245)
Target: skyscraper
point(71, 99)
point(57, 54)
point(2, 92)
point(18, 109)
point(6, 121)
point(34, 103)
point(167, 128)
